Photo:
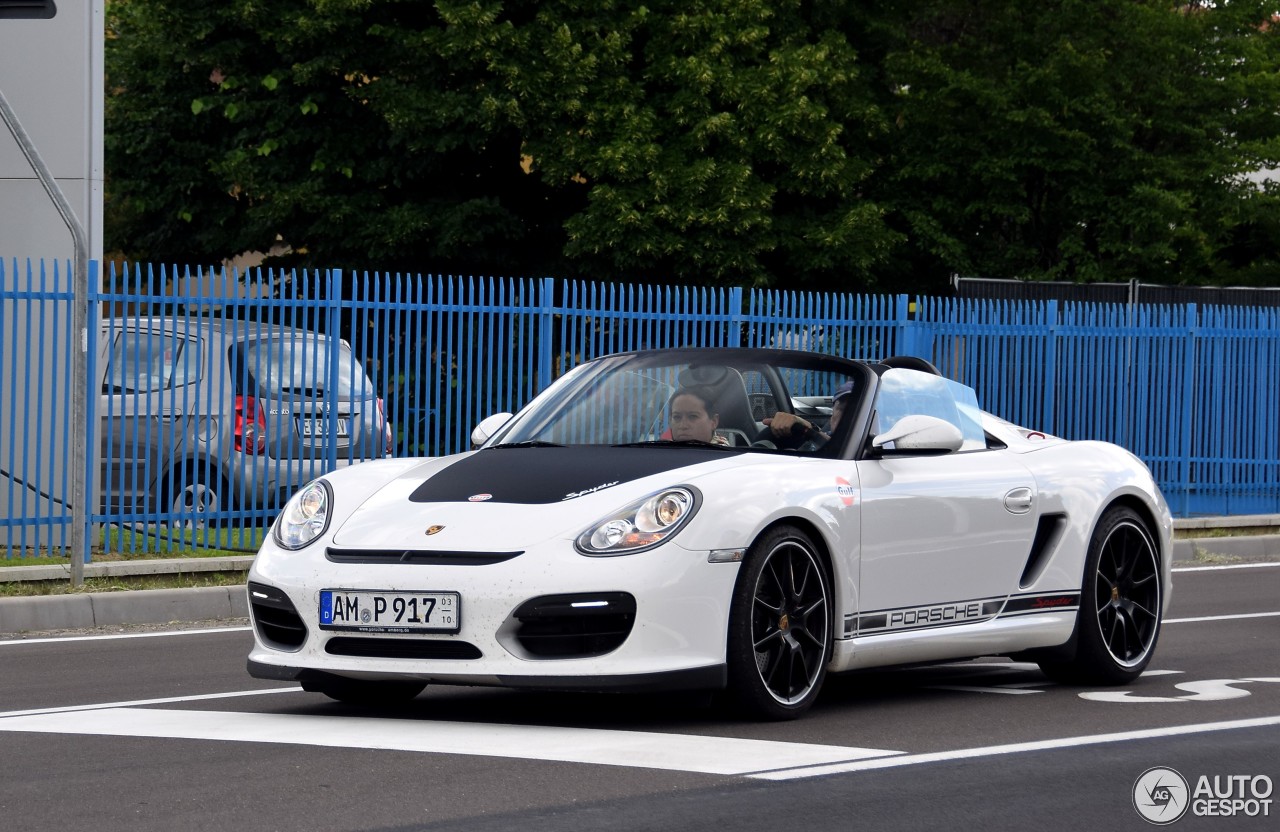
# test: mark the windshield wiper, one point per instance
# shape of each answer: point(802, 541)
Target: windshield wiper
point(530, 443)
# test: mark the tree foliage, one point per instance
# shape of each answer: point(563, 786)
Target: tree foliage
point(806, 143)
point(1082, 140)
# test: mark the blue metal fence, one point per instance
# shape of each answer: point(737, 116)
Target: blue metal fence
point(35, 395)
point(1189, 389)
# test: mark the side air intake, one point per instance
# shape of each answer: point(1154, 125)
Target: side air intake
point(1048, 533)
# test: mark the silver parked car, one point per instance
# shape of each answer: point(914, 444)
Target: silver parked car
point(207, 420)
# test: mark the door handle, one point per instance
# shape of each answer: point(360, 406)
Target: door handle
point(1019, 500)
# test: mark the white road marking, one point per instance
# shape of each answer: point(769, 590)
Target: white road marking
point(1207, 690)
point(1017, 748)
point(113, 636)
point(672, 752)
point(1162, 672)
point(168, 700)
point(1221, 617)
point(1225, 566)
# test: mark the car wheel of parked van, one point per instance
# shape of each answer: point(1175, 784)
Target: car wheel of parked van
point(194, 499)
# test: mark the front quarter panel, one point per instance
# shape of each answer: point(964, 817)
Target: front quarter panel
point(741, 502)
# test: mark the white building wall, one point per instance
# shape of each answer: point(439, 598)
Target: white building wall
point(51, 74)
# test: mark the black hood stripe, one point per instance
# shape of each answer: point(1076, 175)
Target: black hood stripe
point(552, 475)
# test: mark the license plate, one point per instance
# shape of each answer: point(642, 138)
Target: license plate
point(320, 426)
point(390, 611)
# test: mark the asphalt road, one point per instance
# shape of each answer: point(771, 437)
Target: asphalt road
point(166, 731)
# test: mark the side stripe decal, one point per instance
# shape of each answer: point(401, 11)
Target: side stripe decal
point(954, 613)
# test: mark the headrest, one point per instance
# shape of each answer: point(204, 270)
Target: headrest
point(703, 375)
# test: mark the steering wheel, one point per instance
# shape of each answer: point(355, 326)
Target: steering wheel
point(795, 440)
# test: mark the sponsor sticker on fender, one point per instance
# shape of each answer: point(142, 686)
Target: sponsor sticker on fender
point(848, 494)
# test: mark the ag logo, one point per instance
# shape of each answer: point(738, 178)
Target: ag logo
point(434, 529)
point(1161, 795)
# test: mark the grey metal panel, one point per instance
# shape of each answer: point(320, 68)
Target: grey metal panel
point(44, 73)
point(31, 226)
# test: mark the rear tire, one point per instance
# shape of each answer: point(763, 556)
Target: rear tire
point(193, 498)
point(1120, 605)
point(780, 631)
point(367, 691)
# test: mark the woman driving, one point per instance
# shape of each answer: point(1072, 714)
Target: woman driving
point(692, 419)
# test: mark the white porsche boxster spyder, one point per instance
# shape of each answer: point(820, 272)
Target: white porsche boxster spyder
point(738, 519)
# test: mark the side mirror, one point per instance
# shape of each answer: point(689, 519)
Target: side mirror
point(488, 427)
point(921, 434)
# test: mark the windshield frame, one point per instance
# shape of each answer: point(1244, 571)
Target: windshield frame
point(533, 421)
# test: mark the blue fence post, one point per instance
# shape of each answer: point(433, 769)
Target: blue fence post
point(333, 327)
point(907, 330)
point(1188, 407)
point(546, 332)
point(1050, 367)
point(902, 329)
point(92, 399)
point(735, 316)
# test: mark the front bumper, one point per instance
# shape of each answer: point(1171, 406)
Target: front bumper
point(675, 640)
point(712, 677)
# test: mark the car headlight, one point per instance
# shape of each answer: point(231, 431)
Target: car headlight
point(305, 517)
point(641, 525)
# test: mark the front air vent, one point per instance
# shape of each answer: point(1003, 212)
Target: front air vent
point(275, 619)
point(401, 648)
point(575, 626)
point(418, 556)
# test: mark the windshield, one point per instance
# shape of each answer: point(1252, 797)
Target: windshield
point(719, 398)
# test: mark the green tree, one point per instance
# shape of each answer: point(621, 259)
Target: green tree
point(1085, 140)
point(798, 143)
point(705, 141)
point(721, 140)
point(333, 126)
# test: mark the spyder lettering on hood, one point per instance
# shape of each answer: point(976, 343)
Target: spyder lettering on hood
point(584, 491)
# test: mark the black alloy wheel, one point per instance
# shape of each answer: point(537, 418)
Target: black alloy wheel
point(1127, 593)
point(780, 626)
point(1120, 605)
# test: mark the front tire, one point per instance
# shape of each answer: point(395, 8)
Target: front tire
point(1120, 604)
point(780, 631)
